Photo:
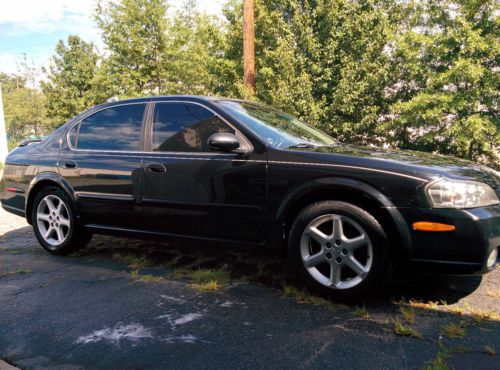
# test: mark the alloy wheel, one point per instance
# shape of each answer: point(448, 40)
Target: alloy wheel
point(336, 251)
point(53, 220)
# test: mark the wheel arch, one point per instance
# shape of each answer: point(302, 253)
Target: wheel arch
point(351, 191)
point(41, 181)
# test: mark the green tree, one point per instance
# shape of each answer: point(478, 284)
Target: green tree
point(195, 44)
point(24, 107)
point(322, 60)
point(134, 33)
point(71, 86)
point(446, 68)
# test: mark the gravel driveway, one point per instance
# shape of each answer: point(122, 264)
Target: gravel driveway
point(123, 303)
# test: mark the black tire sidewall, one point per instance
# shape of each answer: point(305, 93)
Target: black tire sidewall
point(69, 244)
point(370, 225)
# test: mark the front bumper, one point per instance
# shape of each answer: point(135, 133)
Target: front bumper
point(463, 251)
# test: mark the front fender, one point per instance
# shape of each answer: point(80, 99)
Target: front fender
point(342, 183)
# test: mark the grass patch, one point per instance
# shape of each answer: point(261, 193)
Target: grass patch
point(408, 314)
point(405, 330)
point(454, 330)
point(134, 262)
point(362, 312)
point(204, 280)
point(493, 293)
point(439, 363)
point(432, 305)
point(489, 350)
point(303, 296)
point(15, 272)
point(146, 278)
point(208, 286)
point(481, 317)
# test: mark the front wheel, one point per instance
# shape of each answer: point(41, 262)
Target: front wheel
point(55, 224)
point(338, 249)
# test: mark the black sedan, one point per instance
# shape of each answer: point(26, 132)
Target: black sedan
point(214, 170)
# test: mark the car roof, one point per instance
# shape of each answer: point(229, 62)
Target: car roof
point(174, 97)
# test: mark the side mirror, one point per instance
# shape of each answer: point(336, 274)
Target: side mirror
point(224, 142)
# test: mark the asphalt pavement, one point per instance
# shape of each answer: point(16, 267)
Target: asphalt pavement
point(131, 304)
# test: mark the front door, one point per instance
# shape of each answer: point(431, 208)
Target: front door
point(103, 164)
point(190, 189)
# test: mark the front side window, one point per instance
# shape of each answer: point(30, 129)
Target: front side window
point(116, 128)
point(184, 127)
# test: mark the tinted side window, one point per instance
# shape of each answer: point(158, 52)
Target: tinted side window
point(117, 128)
point(73, 134)
point(184, 127)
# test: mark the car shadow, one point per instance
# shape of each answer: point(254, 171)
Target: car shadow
point(243, 264)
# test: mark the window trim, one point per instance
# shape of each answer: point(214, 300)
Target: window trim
point(141, 137)
point(146, 131)
point(149, 131)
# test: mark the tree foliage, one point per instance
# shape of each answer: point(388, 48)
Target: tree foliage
point(24, 105)
point(415, 74)
point(71, 86)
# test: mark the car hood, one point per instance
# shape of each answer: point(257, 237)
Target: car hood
point(428, 165)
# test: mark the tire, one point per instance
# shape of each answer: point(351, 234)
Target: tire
point(55, 223)
point(348, 267)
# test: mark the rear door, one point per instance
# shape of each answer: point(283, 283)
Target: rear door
point(102, 162)
point(190, 189)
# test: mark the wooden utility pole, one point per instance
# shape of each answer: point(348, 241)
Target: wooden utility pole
point(248, 45)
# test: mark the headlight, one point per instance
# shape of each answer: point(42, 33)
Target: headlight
point(460, 194)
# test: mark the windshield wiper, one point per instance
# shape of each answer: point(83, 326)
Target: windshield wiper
point(302, 145)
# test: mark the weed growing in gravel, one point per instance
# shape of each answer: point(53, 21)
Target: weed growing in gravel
point(400, 328)
point(362, 312)
point(208, 286)
point(145, 278)
point(408, 314)
point(134, 262)
point(493, 293)
point(454, 330)
point(439, 363)
point(489, 350)
point(304, 296)
point(204, 280)
point(14, 272)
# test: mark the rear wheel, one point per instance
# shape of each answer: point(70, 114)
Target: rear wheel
point(55, 224)
point(338, 249)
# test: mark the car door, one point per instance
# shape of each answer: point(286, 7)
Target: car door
point(102, 162)
point(190, 189)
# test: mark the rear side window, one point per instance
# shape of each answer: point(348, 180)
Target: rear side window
point(184, 127)
point(117, 128)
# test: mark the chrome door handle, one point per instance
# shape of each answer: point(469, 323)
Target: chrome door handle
point(156, 168)
point(70, 164)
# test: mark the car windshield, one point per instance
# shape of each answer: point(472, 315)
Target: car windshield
point(279, 129)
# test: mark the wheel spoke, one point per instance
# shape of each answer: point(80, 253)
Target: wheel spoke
point(42, 217)
point(59, 209)
point(317, 235)
point(50, 204)
point(48, 233)
point(60, 234)
point(314, 259)
point(355, 265)
point(355, 243)
point(338, 232)
point(63, 221)
point(335, 271)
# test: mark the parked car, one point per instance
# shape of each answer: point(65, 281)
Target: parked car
point(230, 171)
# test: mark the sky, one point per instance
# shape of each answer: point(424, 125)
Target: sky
point(34, 27)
